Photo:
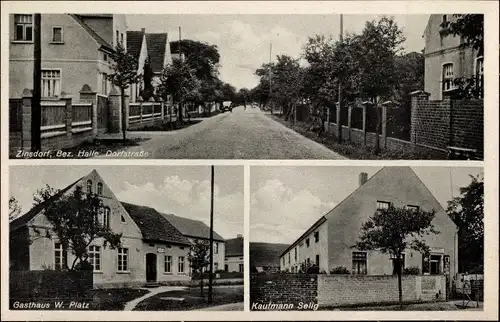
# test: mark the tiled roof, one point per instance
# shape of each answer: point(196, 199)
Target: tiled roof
point(234, 246)
point(134, 42)
point(24, 219)
point(94, 35)
point(156, 50)
point(153, 225)
point(192, 228)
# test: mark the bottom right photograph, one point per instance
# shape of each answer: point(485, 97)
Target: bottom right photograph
point(366, 238)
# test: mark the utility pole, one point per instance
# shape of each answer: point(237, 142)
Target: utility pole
point(210, 277)
point(36, 109)
point(339, 106)
point(270, 77)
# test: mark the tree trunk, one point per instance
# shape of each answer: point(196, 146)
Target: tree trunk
point(124, 115)
point(398, 272)
point(377, 130)
point(179, 113)
point(201, 282)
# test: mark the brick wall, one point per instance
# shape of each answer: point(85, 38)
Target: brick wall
point(345, 290)
point(284, 289)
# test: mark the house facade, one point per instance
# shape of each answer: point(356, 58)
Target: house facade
point(446, 59)
point(152, 249)
point(328, 242)
point(137, 46)
point(195, 230)
point(67, 65)
point(234, 255)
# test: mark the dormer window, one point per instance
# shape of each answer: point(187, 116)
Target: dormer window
point(89, 186)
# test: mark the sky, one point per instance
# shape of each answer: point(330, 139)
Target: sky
point(286, 201)
point(244, 41)
point(183, 191)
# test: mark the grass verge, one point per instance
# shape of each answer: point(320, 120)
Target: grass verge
point(114, 299)
point(165, 127)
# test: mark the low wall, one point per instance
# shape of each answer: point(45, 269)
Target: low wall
point(341, 290)
point(285, 289)
point(344, 290)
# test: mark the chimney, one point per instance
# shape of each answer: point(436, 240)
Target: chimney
point(363, 177)
point(239, 236)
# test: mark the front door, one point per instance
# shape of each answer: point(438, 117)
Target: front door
point(151, 267)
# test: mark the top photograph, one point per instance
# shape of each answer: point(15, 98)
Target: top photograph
point(246, 86)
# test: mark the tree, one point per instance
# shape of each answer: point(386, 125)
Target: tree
point(375, 68)
point(200, 56)
point(394, 230)
point(197, 258)
point(14, 208)
point(179, 80)
point(124, 74)
point(77, 219)
point(467, 211)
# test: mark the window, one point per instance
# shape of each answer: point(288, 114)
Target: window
point(180, 267)
point(59, 256)
point(168, 264)
point(104, 56)
point(307, 242)
point(479, 75)
point(317, 260)
point(216, 248)
point(316, 237)
point(359, 263)
point(57, 35)
point(103, 216)
point(95, 257)
point(89, 186)
point(51, 83)
point(23, 27)
point(226, 268)
point(402, 261)
point(99, 188)
point(435, 264)
point(117, 37)
point(383, 205)
point(295, 254)
point(288, 258)
point(216, 266)
point(122, 259)
point(412, 207)
point(447, 77)
point(240, 268)
point(123, 219)
point(104, 83)
point(121, 38)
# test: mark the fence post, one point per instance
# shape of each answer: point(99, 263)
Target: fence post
point(162, 111)
point(89, 96)
point(115, 111)
point(69, 116)
point(26, 124)
point(416, 98)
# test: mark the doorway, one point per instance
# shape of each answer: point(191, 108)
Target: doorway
point(150, 267)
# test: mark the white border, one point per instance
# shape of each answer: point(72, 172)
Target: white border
point(489, 8)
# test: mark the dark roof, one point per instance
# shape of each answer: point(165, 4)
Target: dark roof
point(134, 42)
point(191, 228)
point(92, 33)
point(156, 50)
point(24, 219)
point(153, 225)
point(266, 254)
point(234, 246)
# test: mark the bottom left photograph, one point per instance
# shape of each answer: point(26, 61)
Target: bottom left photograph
point(142, 238)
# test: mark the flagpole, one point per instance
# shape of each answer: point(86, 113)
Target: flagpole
point(210, 277)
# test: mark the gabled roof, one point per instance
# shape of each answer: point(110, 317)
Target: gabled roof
point(156, 50)
point(24, 219)
point(153, 226)
point(134, 42)
point(234, 246)
point(92, 33)
point(191, 228)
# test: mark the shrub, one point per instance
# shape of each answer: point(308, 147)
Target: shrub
point(411, 271)
point(340, 270)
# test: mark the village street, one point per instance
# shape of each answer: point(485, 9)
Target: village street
point(240, 134)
